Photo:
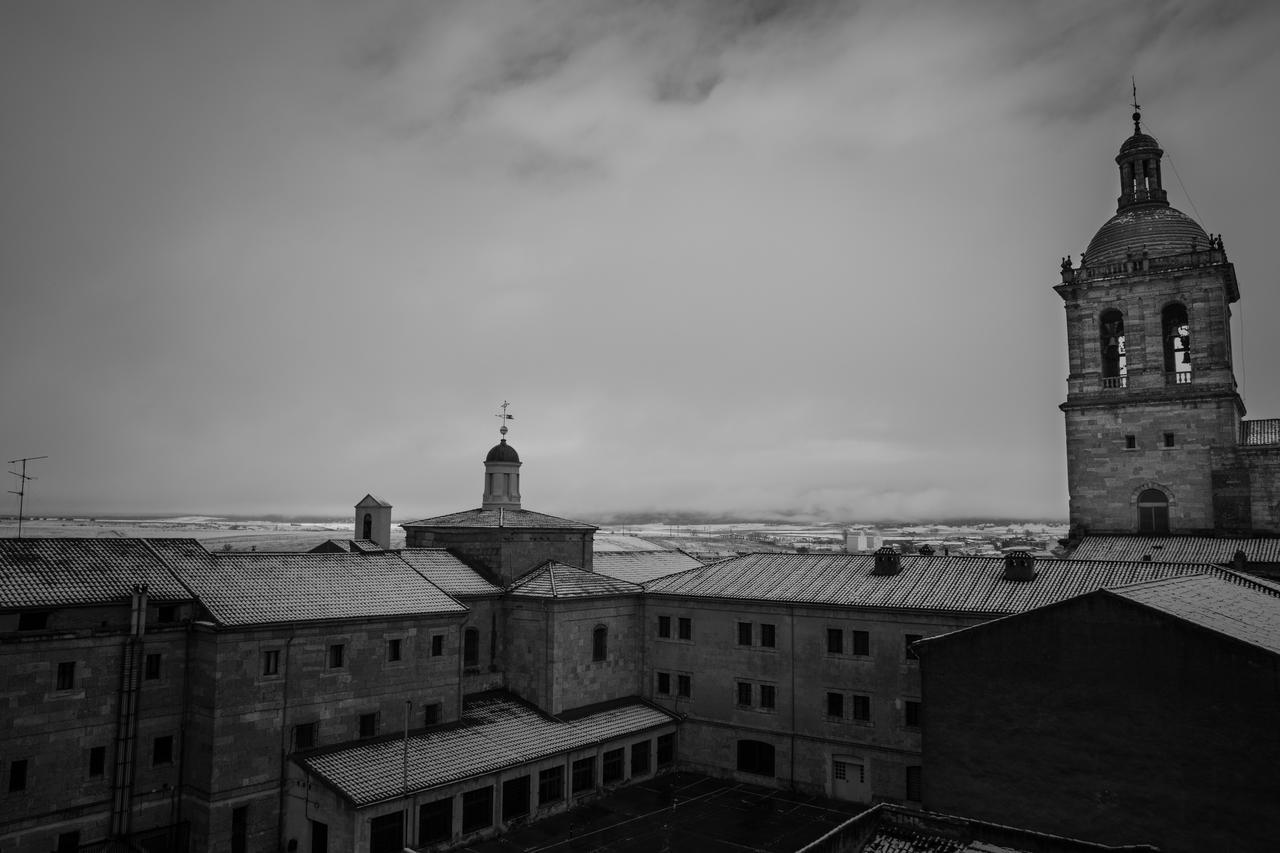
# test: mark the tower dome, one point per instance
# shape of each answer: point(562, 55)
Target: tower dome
point(502, 452)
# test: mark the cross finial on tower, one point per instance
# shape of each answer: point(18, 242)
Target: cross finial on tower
point(505, 417)
point(1137, 110)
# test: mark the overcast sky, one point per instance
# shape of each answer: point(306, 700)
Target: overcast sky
point(733, 257)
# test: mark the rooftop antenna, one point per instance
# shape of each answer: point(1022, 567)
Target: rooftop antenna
point(1137, 110)
point(505, 417)
point(22, 484)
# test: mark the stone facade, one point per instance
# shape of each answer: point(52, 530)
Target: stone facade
point(505, 553)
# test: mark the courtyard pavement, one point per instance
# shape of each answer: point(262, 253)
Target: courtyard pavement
point(681, 813)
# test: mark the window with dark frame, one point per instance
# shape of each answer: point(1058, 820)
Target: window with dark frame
point(768, 696)
point(907, 641)
point(835, 641)
point(862, 709)
point(167, 613)
point(744, 633)
point(756, 757)
point(835, 705)
point(515, 798)
point(471, 647)
point(551, 785)
point(584, 774)
point(914, 787)
point(33, 620)
point(97, 760)
point(393, 649)
point(68, 842)
point(684, 685)
point(685, 626)
point(431, 714)
point(151, 669)
point(162, 750)
point(435, 821)
point(768, 634)
point(1130, 442)
point(66, 679)
point(613, 766)
point(664, 626)
point(477, 809)
point(1168, 439)
point(599, 643)
point(664, 683)
point(666, 750)
point(911, 714)
point(17, 775)
point(271, 662)
point(744, 693)
point(640, 758)
point(337, 654)
point(240, 829)
point(304, 735)
point(369, 724)
point(437, 645)
point(861, 643)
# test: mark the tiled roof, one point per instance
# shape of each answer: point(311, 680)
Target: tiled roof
point(252, 588)
point(1176, 549)
point(1235, 607)
point(952, 584)
point(367, 546)
point(68, 572)
point(500, 518)
point(496, 731)
point(556, 580)
point(641, 566)
point(373, 500)
point(1260, 433)
point(448, 572)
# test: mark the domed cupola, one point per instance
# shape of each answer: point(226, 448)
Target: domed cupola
point(502, 472)
point(1139, 161)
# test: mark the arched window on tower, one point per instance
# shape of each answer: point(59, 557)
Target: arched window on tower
point(1153, 511)
point(367, 526)
point(600, 643)
point(1115, 363)
point(1177, 343)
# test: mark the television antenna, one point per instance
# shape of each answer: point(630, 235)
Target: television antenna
point(22, 484)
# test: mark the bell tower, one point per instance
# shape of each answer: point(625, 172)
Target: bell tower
point(1151, 396)
point(502, 471)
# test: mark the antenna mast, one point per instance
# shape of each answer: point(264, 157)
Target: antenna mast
point(22, 484)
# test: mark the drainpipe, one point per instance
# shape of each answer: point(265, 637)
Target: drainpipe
point(284, 741)
point(175, 816)
point(792, 612)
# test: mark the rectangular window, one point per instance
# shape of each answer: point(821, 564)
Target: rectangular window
point(861, 643)
point(435, 821)
point(369, 724)
point(337, 654)
point(304, 735)
point(551, 785)
point(162, 750)
point(393, 649)
point(664, 626)
point(744, 633)
point(911, 714)
point(152, 668)
point(477, 809)
point(1130, 442)
point(907, 641)
point(684, 685)
point(515, 798)
point(744, 693)
point(666, 750)
point(33, 620)
point(18, 775)
point(584, 774)
point(640, 758)
point(240, 829)
point(166, 613)
point(862, 709)
point(664, 683)
point(431, 714)
point(835, 705)
point(1168, 439)
point(97, 760)
point(767, 635)
point(913, 783)
point(68, 842)
point(613, 766)
point(686, 628)
point(66, 675)
point(600, 643)
point(471, 647)
point(271, 662)
point(437, 645)
point(768, 696)
point(835, 641)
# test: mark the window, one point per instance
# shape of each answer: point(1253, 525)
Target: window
point(599, 643)
point(435, 821)
point(911, 714)
point(68, 842)
point(1153, 512)
point(613, 766)
point(319, 836)
point(551, 785)
point(151, 670)
point(835, 705)
point(66, 675)
point(862, 709)
point(744, 693)
point(861, 643)
point(304, 735)
point(477, 809)
point(271, 662)
point(162, 750)
point(337, 653)
point(906, 644)
point(835, 641)
point(1130, 442)
point(1114, 355)
point(664, 683)
point(756, 757)
point(437, 645)
point(393, 649)
point(33, 620)
point(471, 647)
point(369, 724)
point(167, 613)
point(666, 750)
point(640, 758)
point(913, 783)
point(240, 829)
point(386, 833)
point(584, 774)
point(1177, 340)
point(18, 775)
point(768, 698)
point(97, 760)
point(685, 626)
point(664, 626)
point(1168, 439)
point(366, 526)
point(684, 685)
point(431, 714)
point(767, 633)
point(515, 798)
point(744, 633)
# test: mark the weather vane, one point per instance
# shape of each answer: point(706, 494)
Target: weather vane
point(1137, 110)
point(505, 417)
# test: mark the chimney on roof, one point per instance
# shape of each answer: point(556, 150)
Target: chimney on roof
point(888, 561)
point(1240, 561)
point(1019, 566)
point(926, 550)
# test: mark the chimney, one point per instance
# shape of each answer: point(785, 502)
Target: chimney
point(1240, 561)
point(888, 561)
point(1019, 566)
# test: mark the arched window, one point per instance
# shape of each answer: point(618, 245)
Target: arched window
point(471, 647)
point(367, 527)
point(755, 756)
point(1177, 339)
point(1114, 360)
point(600, 643)
point(1153, 511)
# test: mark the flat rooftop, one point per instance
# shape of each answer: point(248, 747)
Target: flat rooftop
point(682, 813)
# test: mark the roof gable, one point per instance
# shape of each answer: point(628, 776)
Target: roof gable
point(1233, 607)
point(500, 517)
point(371, 501)
point(556, 580)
